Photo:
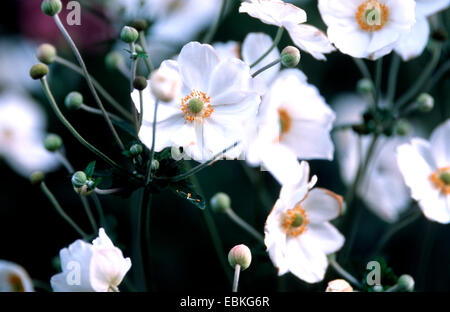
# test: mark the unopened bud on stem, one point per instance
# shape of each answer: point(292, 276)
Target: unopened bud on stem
point(46, 53)
point(38, 71)
point(73, 100)
point(51, 7)
point(37, 178)
point(240, 255)
point(53, 142)
point(425, 102)
point(220, 202)
point(365, 86)
point(290, 56)
point(405, 283)
point(129, 34)
point(140, 83)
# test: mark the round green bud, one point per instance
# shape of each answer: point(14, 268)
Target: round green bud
point(37, 177)
point(425, 102)
point(114, 60)
point(129, 34)
point(365, 86)
point(46, 53)
point(139, 48)
point(73, 100)
point(290, 56)
point(195, 105)
point(51, 7)
point(240, 255)
point(53, 142)
point(403, 127)
point(136, 149)
point(405, 283)
point(378, 288)
point(38, 71)
point(79, 179)
point(445, 177)
point(155, 165)
point(140, 24)
point(140, 83)
point(220, 202)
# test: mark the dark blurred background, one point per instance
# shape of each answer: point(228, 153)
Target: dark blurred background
point(183, 257)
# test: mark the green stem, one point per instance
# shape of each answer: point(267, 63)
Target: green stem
point(438, 75)
point(147, 60)
point(141, 109)
point(152, 151)
point(244, 225)
point(199, 167)
point(259, 71)
point(99, 207)
point(62, 213)
point(362, 66)
point(88, 79)
point(378, 78)
point(97, 85)
point(393, 75)
point(422, 78)
point(212, 31)
point(237, 271)
point(71, 128)
point(274, 44)
point(64, 161)
point(91, 218)
point(132, 77)
point(340, 270)
point(395, 229)
point(97, 111)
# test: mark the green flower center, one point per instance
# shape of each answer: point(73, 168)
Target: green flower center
point(298, 220)
point(445, 177)
point(195, 105)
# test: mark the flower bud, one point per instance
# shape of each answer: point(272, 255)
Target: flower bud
point(425, 102)
point(46, 53)
point(405, 283)
point(140, 83)
point(73, 100)
point(38, 71)
point(37, 177)
point(220, 202)
point(241, 255)
point(51, 7)
point(84, 190)
point(139, 48)
point(365, 86)
point(129, 34)
point(79, 179)
point(155, 165)
point(290, 56)
point(53, 142)
point(378, 288)
point(403, 127)
point(339, 285)
point(136, 149)
point(165, 83)
point(140, 24)
point(114, 60)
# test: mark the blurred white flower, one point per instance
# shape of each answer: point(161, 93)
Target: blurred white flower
point(281, 14)
point(298, 234)
point(425, 166)
point(22, 133)
point(412, 44)
point(339, 285)
point(14, 278)
point(216, 100)
point(293, 122)
point(166, 82)
point(382, 188)
point(16, 58)
point(367, 28)
point(96, 267)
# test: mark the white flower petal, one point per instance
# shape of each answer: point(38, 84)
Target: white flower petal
point(273, 12)
point(197, 62)
point(14, 278)
point(436, 207)
point(325, 236)
point(429, 7)
point(412, 44)
point(440, 144)
point(322, 205)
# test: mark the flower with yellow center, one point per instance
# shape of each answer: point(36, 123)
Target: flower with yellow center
point(298, 234)
point(215, 101)
point(14, 278)
point(294, 122)
point(425, 166)
point(367, 28)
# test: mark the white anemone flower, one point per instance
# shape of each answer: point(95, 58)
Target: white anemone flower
point(217, 99)
point(293, 122)
point(382, 188)
point(298, 234)
point(367, 28)
point(412, 44)
point(22, 133)
point(425, 166)
point(96, 267)
point(14, 278)
point(292, 18)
